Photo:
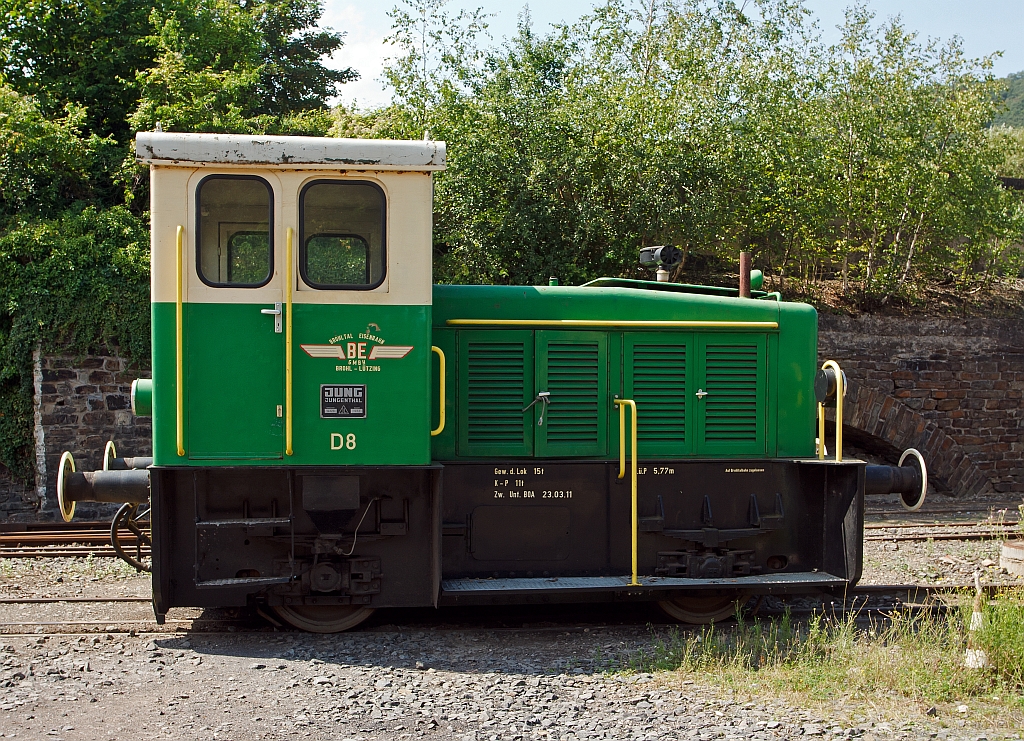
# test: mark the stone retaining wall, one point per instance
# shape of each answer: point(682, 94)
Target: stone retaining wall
point(956, 386)
point(81, 403)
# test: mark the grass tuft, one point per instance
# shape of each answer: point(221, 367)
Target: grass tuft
point(912, 655)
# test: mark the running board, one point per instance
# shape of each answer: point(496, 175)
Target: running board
point(251, 581)
point(245, 522)
point(587, 588)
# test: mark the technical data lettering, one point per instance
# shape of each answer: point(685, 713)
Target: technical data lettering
point(518, 482)
point(342, 401)
point(655, 470)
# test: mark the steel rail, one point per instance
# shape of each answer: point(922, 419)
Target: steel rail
point(49, 600)
point(906, 525)
point(922, 537)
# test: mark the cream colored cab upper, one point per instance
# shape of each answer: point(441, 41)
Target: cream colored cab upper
point(356, 213)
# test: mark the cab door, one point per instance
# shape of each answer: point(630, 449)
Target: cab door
point(234, 344)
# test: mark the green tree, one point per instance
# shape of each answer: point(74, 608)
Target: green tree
point(1012, 96)
point(253, 67)
point(1010, 142)
point(713, 126)
point(76, 52)
point(46, 163)
point(568, 153)
point(914, 185)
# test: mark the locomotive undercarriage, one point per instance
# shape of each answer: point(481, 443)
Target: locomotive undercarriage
point(342, 541)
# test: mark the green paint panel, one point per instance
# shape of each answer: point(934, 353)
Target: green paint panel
point(793, 370)
point(779, 422)
point(573, 368)
point(396, 429)
point(235, 382)
point(230, 362)
point(759, 384)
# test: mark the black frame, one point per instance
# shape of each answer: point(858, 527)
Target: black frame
point(199, 233)
point(383, 237)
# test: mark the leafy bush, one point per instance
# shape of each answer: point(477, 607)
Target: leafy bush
point(47, 164)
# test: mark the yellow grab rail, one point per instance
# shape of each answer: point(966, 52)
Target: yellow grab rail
point(622, 404)
point(440, 418)
point(288, 344)
point(179, 363)
point(840, 392)
point(598, 323)
point(821, 431)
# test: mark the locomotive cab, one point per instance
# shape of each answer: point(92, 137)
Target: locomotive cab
point(333, 434)
point(292, 351)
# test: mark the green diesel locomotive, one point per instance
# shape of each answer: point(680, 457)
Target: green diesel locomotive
point(332, 433)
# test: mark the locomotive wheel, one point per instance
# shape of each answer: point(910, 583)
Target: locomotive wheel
point(323, 618)
point(702, 610)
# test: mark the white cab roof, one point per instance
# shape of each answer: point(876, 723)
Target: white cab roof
point(160, 147)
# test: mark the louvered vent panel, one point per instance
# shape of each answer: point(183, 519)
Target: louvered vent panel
point(495, 393)
point(659, 388)
point(573, 370)
point(731, 403)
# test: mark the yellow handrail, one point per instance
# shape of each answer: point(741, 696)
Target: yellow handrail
point(840, 392)
point(621, 404)
point(622, 438)
point(626, 323)
point(179, 363)
point(821, 431)
point(440, 419)
point(288, 345)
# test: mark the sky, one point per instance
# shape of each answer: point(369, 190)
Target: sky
point(985, 26)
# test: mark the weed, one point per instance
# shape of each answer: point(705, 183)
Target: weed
point(915, 655)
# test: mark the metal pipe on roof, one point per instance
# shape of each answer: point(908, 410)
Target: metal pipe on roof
point(744, 275)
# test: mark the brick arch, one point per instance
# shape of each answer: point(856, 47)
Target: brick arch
point(876, 413)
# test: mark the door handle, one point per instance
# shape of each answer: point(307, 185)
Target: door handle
point(276, 313)
point(543, 398)
point(701, 393)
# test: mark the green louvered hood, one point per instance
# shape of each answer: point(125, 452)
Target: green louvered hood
point(707, 390)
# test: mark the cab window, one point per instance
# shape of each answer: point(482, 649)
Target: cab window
point(342, 240)
point(234, 245)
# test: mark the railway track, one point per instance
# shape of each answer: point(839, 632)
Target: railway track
point(865, 602)
point(82, 540)
point(93, 540)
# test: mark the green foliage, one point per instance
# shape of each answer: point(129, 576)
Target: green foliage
point(230, 64)
point(1013, 98)
point(1010, 140)
point(81, 53)
point(252, 68)
point(713, 127)
point(45, 162)
point(1002, 639)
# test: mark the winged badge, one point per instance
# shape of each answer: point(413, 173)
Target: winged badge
point(377, 352)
